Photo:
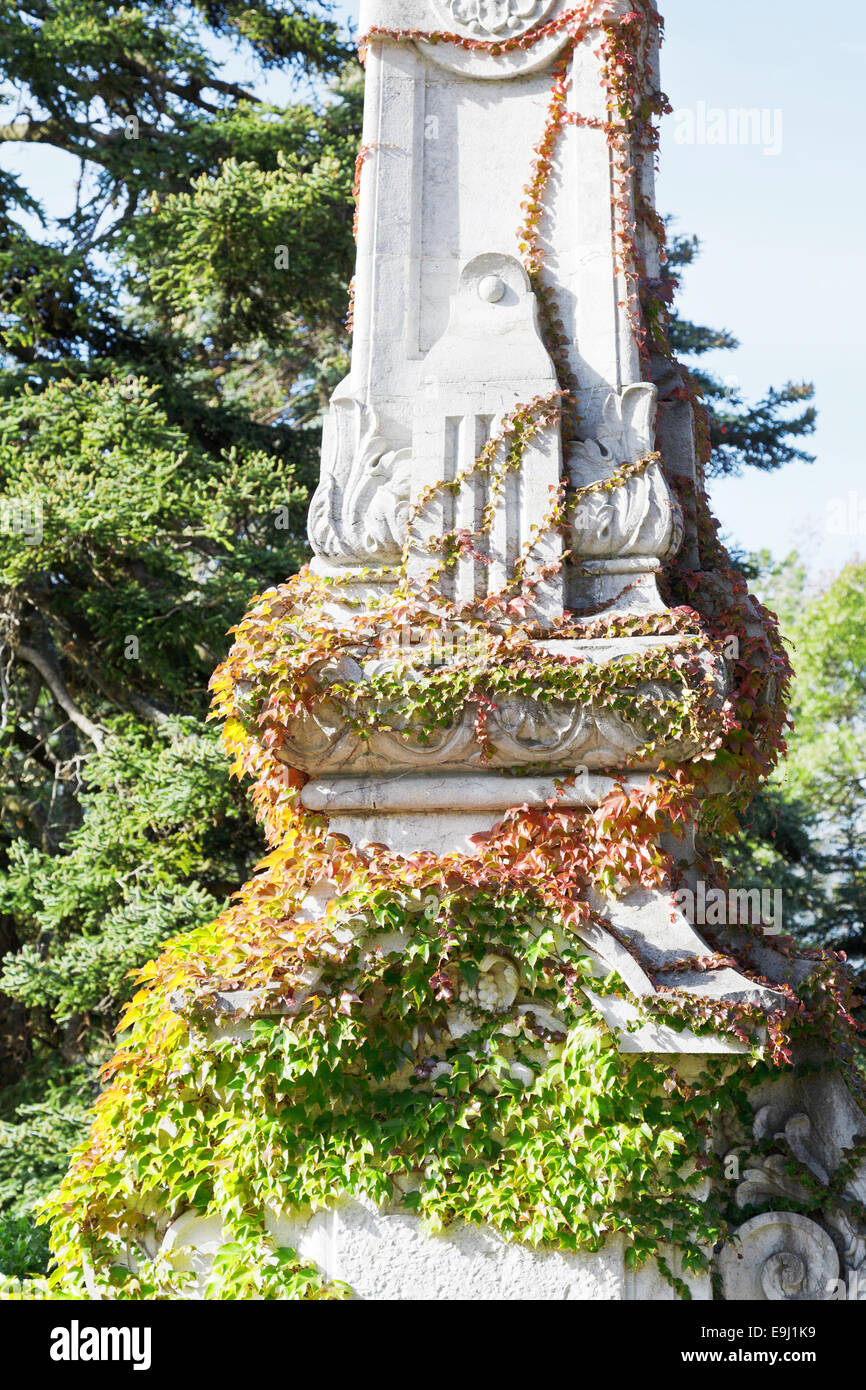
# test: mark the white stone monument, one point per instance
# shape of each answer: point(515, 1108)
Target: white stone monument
point(507, 263)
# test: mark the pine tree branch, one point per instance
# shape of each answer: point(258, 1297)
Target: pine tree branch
point(35, 748)
point(190, 90)
point(56, 684)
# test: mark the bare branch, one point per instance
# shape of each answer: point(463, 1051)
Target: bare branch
point(56, 684)
point(35, 748)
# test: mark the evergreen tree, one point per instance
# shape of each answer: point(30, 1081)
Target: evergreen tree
point(763, 434)
point(166, 348)
point(805, 833)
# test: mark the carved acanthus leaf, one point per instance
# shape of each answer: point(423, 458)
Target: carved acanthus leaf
point(781, 1255)
point(638, 517)
point(626, 434)
point(768, 1177)
point(359, 511)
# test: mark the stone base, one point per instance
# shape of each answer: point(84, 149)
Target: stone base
point(386, 1256)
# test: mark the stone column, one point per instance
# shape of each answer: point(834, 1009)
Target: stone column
point(449, 338)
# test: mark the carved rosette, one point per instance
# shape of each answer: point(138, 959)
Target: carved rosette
point(494, 19)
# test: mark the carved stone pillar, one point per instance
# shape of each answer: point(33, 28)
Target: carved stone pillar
point(448, 341)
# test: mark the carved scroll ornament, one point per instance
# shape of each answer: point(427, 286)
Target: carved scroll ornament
point(786, 1256)
point(638, 517)
point(358, 515)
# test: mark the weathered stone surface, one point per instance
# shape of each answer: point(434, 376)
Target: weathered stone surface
point(520, 731)
point(385, 1255)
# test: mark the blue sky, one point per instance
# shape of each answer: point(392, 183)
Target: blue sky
point(782, 241)
point(782, 236)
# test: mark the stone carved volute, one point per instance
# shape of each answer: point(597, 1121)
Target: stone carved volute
point(626, 433)
point(358, 515)
point(780, 1257)
point(786, 1256)
point(639, 517)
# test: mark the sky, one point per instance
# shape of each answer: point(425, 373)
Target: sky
point(783, 241)
point(781, 221)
